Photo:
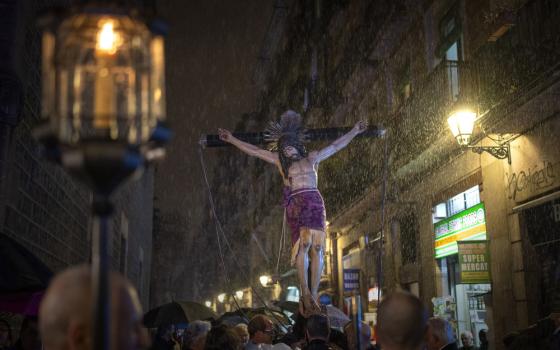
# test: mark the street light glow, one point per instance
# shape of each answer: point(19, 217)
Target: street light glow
point(208, 303)
point(239, 294)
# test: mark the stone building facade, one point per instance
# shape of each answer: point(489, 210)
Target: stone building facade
point(41, 207)
point(405, 65)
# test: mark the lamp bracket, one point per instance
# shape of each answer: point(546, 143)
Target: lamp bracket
point(501, 152)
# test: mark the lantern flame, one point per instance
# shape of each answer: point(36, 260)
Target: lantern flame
point(107, 39)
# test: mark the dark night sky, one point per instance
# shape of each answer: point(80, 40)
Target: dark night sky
point(212, 49)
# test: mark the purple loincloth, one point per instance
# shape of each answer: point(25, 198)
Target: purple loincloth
point(304, 208)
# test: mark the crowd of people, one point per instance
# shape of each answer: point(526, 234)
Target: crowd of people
point(65, 322)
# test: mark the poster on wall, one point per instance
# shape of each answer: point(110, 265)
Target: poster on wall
point(474, 262)
point(351, 280)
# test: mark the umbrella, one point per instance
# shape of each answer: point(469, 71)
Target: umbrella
point(336, 317)
point(177, 312)
point(23, 278)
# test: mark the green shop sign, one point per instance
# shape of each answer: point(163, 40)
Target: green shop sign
point(474, 262)
point(467, 225)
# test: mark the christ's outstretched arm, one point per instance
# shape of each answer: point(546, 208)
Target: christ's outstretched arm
point(339, 143)
point(252, 150)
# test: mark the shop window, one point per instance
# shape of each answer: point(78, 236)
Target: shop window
point(292, 294)
point(351, 256)
point(409, 237)
point(461, 303)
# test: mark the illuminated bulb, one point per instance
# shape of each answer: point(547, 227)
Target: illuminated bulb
point(208, 303)
point(239, 294)
point(461, 123)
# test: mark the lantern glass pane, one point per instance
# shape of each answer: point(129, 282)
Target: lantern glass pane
point(158, 77)
point(103, 79)
point(461, 124)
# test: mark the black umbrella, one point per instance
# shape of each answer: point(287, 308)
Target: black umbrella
point(177, 312)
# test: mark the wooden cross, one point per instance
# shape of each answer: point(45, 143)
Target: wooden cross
point(257, 138)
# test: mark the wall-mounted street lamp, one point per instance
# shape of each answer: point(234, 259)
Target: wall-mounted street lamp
point(103, 104)
point(222, 297)
point(239, 294)
point(461, 121)
point(208, 303)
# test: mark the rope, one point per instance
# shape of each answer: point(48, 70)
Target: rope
point(220, 229)
point(220, 252)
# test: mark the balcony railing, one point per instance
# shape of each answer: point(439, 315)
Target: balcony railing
point(422, 117)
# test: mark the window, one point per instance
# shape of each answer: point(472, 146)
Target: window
point(351, 256)
point(449, 49)
point(456, 204)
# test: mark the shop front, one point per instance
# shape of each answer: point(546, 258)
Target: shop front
point(542, 225)
point(463, 262)
point(533, 188)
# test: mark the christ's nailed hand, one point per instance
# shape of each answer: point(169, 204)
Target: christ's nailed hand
point(361, 126)
point(225, 135)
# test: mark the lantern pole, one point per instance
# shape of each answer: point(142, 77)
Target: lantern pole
point(96, 143)
point(102, 210)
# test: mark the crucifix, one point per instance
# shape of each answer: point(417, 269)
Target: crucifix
point(304, 206)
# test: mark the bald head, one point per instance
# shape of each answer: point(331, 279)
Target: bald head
point(401, 322)
point(65, 315)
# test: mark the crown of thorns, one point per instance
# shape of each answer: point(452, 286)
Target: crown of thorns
point(289, 129)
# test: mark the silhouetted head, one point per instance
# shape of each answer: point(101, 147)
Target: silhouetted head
point(222, 338)
point(261, 330)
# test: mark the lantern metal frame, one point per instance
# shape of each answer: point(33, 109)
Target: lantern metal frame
point(102, 164)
